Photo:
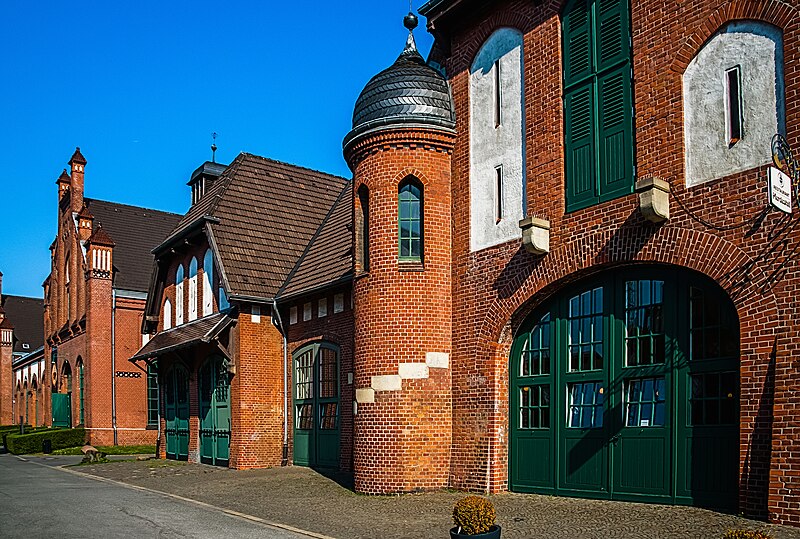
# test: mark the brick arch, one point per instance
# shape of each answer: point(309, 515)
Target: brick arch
point(410, 171)
point(311, 337)
point(774, 12)
point(515, 19)
point(737, 273)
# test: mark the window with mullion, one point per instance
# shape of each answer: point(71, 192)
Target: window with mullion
point(585, 331)
point(152, 396)
point(598, 105)
point(410, 221)
point(644, 323)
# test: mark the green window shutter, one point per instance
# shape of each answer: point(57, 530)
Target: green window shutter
point(576, 29)
point(615, 133)
point(580, 151)
point(612, 34)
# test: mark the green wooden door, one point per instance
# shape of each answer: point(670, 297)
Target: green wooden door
point(176, 413)
point(61, 406)
point(316, 405)
point(215, 412)
point(626, 387)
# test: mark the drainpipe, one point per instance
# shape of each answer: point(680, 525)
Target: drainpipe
point(285, 459)
point(113, 364)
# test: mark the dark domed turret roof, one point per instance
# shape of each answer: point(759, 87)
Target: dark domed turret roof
point(408, 92)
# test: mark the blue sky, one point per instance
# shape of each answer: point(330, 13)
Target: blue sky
point(140, 87)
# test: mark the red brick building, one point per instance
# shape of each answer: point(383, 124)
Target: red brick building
point(94, 299)
point(251, 286)
point(566, 277)
point(21, 360)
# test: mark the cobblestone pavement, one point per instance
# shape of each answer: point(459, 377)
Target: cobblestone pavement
point(304, 499)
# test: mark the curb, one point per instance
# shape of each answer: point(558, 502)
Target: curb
point(198, 503)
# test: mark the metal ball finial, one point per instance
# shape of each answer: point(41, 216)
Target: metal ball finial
point(410, 21)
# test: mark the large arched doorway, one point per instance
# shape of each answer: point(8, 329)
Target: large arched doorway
point(215, 412)
point(176, 412)
point(626, 386)
point(62, 401)
point(316, 405)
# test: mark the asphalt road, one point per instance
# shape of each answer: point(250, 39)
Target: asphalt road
point(39, 500)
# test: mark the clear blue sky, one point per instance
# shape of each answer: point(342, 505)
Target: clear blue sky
point(140, 87)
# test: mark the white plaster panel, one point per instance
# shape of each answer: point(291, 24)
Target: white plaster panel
point(413, 371)
point(365, 395)
point(757, 48)
point(389, 382)
point(492, 146)
point(437, 360)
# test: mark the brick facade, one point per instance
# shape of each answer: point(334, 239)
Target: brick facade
point(750, 254)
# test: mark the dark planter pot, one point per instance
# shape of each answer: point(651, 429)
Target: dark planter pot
point(493, 533)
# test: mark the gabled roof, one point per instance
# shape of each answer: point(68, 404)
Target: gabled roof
point(135, 231)
point(262, 214)
point(329, 256)
point(27, 317)
point(177, 338)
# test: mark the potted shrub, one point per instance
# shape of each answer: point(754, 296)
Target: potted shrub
point(474, 519)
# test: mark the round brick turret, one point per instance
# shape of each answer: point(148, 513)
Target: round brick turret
point(403, 135)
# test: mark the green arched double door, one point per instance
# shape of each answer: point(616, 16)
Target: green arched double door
point(215, 412)
point(316, 405)
point(176, 412)
point(626, 386)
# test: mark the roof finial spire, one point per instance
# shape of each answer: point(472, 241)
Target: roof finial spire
point(410, 21)
point(214, 147)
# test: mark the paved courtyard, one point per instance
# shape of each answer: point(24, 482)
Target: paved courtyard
point(304, 499)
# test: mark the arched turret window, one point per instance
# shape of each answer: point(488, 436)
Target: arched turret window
point(178, 296)
point(193, 289)
point(410, 230)
point(362, 229)
point(208, 282)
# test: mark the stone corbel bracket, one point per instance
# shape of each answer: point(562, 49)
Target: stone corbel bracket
point(653, 199)
point(535, 235)
point(405, 371)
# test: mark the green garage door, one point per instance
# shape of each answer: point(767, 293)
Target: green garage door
point(215, 412)
point(176, 413)
point(316, 406)
point(626, 387)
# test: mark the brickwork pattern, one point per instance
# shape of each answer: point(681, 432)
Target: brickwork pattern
point(335, 328)
point(403, 311)
point(752, 256)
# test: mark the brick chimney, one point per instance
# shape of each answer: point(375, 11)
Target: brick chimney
point(63, 182)
point(77, 163)
point(85, 221)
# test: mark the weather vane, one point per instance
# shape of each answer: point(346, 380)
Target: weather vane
point(214, 147)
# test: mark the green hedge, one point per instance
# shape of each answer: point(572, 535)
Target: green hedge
point(21, 444)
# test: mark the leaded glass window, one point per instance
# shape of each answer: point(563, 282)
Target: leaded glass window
point(586, 331)
point(535, 357)
point(644, 323)
point(586, 405)
point(712, 333)
point(534, 408)
point(714, 399)
point(304, 375)
point(644, 400)
point(410, 220)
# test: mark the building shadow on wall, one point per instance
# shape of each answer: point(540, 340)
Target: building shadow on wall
point(755, 471)
point(628, 240)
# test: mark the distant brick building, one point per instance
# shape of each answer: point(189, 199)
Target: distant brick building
point(21, 365)
point(94, 299)
point(565, 277)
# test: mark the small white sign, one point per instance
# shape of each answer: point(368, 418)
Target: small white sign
point(780, 190)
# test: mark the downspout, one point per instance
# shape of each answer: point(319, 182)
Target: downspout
point(285, 458)
point(113, 364)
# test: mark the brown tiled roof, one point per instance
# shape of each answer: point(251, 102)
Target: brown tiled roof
point(101, 237)
point(265, 214)
point(184, 336)
point(135, 231)
point(85, 213)
point(78, 157)
point(329, 256)
point(27, 317)
point(64, 178)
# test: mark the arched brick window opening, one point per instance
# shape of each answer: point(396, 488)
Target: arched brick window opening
point(81, 382)
point(168, 314)
point(362, 229)
point(208, 283)
point(192, 315)
point(410, 220)
point(179, 296)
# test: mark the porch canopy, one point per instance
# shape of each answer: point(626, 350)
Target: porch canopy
point(203, 330)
